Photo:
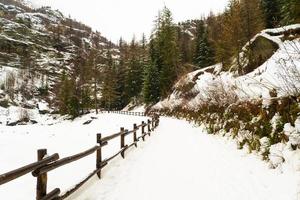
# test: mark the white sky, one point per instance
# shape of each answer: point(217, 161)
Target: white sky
point(116, 18)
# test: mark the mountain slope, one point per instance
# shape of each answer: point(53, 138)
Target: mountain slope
point(36, 47)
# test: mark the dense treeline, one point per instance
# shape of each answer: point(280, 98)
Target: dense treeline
point(145, 71)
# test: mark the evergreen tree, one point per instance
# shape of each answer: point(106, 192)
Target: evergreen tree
point(164, 51)
point(151, 85)
point(92, 60)
point(290, 11)
point(203, 55)
point(271, 12)
point(109, 86)
point(134, 76)
point(185, 47)
point(64, 93)
point(121, 68)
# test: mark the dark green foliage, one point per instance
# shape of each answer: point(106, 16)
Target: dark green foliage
point(134, 76)
point(43, 90)
point(272, 12)
point(73, 106)
point(185, 46)
point(203, 55)
point(64, 94)
point(109, 86)
point(164, 52)
point(290, 12)
point(151, 85)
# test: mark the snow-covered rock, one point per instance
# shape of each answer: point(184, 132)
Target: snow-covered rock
point(280, 73)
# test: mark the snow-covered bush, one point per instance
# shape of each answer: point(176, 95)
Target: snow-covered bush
point(264, 147)
point(276, 154)
point(293, 134)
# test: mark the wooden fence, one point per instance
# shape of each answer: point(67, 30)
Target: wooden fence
point(44, 164)
point(128, 113)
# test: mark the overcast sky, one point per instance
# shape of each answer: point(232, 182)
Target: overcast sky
point(116, 18)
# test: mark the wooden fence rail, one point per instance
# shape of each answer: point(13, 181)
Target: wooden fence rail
point(128, 113)
point(44, 164)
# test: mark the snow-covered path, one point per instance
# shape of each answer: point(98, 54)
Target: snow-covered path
point(181, 162)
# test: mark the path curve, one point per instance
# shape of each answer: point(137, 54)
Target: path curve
point(180, 162)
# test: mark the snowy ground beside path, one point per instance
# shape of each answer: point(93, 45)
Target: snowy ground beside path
point(182, 162)
point(18, 146)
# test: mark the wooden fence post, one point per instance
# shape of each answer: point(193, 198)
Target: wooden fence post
point(41, 186)
point(143, 130)
point(149, 129)
point(152, 123)
point(134, 135)
point(99, 155)
point(122, 141)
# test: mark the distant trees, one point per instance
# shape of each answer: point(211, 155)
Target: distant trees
point(74, 93)
point(144, 72)
point(281, 12)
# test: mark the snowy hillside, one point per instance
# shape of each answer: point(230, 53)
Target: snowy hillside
point(281, 73)
point(36, 47)
point(259, 109)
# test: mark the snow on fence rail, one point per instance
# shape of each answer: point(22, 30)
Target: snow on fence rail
point(44, 164)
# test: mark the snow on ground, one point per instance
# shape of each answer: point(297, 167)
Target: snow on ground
point(19, 144)
point(180, 161)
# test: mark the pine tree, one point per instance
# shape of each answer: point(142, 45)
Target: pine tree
point(109, 86)
point(134, 78)
point(164, 51)
point(185, 47)
point(271, 12)
point(92, 60)
point(64, 93)
point(151, 85)
point(203, 55)
point(121, 68)
point(290, 11)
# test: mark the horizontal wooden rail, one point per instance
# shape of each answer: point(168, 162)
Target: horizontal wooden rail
point(76, 187)
point(52, 195)
point(129, 113)
point(9, 176)
point(108, 138)
point(115, 155)
point(64, 161)
point(40, 168)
